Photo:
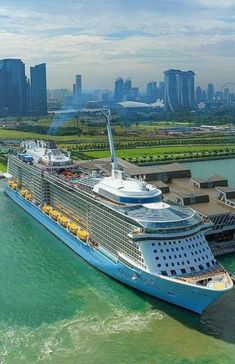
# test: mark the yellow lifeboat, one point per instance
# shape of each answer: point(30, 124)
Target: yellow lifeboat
point(10, 182)
point(46, 209)
point(54, 214)
point(82, 234)
point(63, 220)
point(23, 192)
point(14, 185)
point(73, 228)
point(29, 197)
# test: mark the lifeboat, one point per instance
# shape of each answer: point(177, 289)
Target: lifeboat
point(10, 182)
point(54, 214)
point(73, 228)
point(46, 209)
point(14, 185)
point(63, 220)
point(23, 192)
point(82, 234)
point(29, 197)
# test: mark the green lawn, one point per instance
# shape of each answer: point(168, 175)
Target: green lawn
point(152, 151)
point(3, 167)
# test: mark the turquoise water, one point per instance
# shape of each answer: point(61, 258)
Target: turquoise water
point(222, 167)
point(55, 308)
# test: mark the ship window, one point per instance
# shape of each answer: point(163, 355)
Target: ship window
point(177, 249)
point(173, 272)
point(167, 265)
point(193, 245)
point(192, 253)
point(196, 244)
point(175, 256)
point(192, 269)
point(182, 248)
point(155, 251)
point(159, 265)
point(157, 258)
point(159, 244)
point(183, 271)
point(199, 259)
point(167, 250)
point(164, 273)
point(172, 264)
point(164, 258)
point(195, 260)
point(178, 263)
point(183, 263)
point(185, 255)
point(180, 256)
point(201, 267)
point(170, 257)
point(187, 261)
point(153, 244)
point(164, 243)
point(208, 264)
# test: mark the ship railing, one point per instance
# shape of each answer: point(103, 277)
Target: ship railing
point(164, 234)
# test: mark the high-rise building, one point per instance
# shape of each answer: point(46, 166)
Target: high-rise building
point(13, 87)
point(186, 89)
point(210, 92)
point(77, 90)
point(179, 90)
point(38, 89)
point(151, 91)
point(127, 87)
point(119, 89)
point(198, 95)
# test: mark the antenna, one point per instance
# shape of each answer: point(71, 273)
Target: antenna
point(107, 113)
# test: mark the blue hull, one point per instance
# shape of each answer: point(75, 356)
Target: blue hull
point(190, 297)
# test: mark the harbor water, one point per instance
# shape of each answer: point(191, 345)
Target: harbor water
point(55, 308)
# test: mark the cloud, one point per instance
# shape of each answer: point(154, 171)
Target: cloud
point(102, 39)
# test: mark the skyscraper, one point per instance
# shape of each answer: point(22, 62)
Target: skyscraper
point(186, 89)
point(199, 95)
point(77, 90)
point(13, 87)
point(179, 90)
point(119, 89)
point(38, 89)
point(152, 91)
point(210, 92)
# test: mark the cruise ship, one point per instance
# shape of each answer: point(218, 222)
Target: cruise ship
point(118, 224)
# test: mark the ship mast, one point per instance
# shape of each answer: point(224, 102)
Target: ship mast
point(107, 113)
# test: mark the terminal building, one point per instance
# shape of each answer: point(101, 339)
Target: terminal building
point(212, 198)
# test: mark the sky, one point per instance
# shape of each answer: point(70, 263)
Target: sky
point(104, 39)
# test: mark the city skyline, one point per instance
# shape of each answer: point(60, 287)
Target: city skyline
point(103, 40)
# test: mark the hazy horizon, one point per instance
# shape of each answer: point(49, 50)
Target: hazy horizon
point(105, 39)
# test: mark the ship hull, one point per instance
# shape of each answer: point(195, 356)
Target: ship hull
point(187, 296)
